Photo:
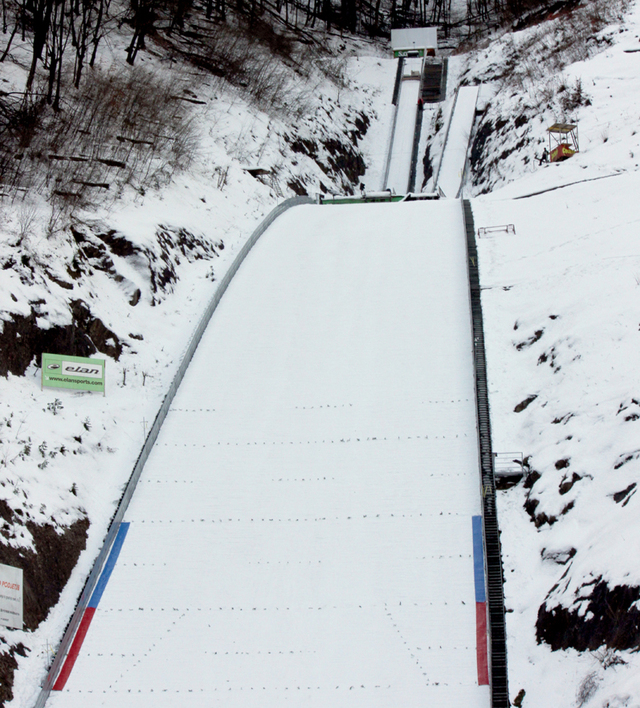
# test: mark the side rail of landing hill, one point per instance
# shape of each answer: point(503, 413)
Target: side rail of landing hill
point(493, 556)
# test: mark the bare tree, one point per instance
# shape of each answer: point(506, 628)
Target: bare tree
point(143, 21)
point(85, 25)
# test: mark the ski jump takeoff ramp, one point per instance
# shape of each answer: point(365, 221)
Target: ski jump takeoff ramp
point(302, 533)
point(401, 145)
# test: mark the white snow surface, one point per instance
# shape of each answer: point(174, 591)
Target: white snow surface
point(452, 165)
point(302, 530)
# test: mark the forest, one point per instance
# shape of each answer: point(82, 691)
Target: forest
point(66, 136)
point(71, 30)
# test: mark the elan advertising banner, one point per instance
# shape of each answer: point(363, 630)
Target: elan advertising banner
point(77, 372)
point(10, 596)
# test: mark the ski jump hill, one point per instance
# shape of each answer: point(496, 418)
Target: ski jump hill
point(307, 529)
point(302, 533)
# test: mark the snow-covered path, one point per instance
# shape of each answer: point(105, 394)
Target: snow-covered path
point(451, 171)
point(402, 145)
point(302, 531)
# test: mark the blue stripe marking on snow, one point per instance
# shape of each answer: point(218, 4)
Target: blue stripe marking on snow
point(478, 559)
point(109, 565)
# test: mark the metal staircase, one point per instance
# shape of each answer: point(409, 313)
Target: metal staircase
point(493, 558)
point(434, 81)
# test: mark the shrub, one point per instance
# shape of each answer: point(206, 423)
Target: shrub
point(119, 128)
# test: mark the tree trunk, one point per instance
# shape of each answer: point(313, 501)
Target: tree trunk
point(8, 47)
point(42, 11)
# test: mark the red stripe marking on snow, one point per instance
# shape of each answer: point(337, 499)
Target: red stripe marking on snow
point(90, 610)
point(481, 643)
point(83, 628)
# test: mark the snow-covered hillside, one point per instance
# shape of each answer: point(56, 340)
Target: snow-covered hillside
point(562, 328)
point(571, 68)
point(560, 301)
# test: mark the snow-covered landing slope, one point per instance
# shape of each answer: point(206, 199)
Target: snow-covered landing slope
point(302, 532)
